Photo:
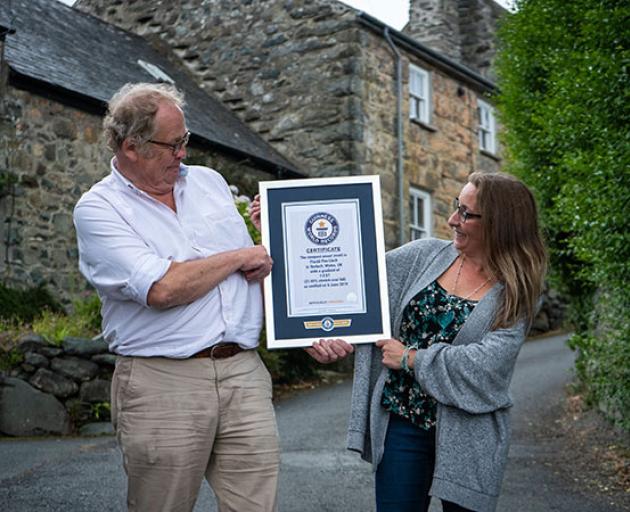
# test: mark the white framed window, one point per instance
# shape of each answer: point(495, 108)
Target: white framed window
point(419, 94)
point(419, 214)
point(487, 127)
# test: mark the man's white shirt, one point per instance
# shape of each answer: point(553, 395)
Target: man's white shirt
point(127, 241)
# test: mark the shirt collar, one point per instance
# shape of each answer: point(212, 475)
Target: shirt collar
point(126, 184)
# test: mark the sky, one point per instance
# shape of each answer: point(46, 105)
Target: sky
point(393, 12)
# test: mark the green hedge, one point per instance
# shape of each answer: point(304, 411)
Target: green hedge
point(565, 106)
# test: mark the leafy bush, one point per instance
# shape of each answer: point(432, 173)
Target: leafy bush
point(88, 310)
point(23, 305)
point(564, 101)
point(85, 321)
point(101, 411)
point(10, 359)
point(242, 207)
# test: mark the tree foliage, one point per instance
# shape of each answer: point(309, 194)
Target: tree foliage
point(565, 103)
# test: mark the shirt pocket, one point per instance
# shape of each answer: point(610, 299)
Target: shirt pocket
point(225, 230)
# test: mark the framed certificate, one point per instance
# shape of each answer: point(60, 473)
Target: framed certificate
point(325, 236)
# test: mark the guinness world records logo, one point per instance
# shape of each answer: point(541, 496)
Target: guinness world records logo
point(321, 228)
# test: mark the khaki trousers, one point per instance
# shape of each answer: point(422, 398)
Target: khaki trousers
point(180, 420)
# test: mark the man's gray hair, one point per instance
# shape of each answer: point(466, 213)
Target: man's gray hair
point(131, 112)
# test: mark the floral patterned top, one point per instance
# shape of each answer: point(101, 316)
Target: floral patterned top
point(432, 316)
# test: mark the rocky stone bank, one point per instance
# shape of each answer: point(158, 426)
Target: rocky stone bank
point(57, 390)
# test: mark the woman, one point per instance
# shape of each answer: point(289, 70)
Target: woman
point(430, 409)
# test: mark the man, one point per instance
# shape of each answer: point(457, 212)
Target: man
point(179, 280)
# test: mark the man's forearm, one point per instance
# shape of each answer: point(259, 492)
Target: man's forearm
point(186, 281)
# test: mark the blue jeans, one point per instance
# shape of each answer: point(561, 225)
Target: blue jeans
point(403, 477)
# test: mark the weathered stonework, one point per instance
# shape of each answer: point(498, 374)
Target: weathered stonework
point(53, 151)
point(73, 386)
point(437, 158)
point(436, 23)
point(479, 20)
point(287, 68)
point(464, 30)
point(56, 153)
point(320, 87)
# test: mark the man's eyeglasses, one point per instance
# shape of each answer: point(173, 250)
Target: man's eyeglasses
point(464, 214)
point(175, 148)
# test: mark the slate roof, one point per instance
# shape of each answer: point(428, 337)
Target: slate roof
point(81, 56)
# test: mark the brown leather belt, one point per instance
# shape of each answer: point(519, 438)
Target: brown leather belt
point(220, 351)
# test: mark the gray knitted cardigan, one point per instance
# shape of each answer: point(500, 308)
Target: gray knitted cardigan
point(469, 379)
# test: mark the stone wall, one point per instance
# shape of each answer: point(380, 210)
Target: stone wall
point(56, 153)
point(464, 30)
point(437, 157)
point(57, 390)
point(318, 86)
point(479, 20)
point(287, 68)
point(435, 23)
point(65, 390)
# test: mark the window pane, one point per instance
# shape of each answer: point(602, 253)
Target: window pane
point(412, 210)
point(413, 104)
point(420, 91)
point(420, 212)
point(418, 82)
point(413, 81)
point(486, 127)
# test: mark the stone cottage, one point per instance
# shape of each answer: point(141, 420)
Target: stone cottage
point(340, 93)
point(54, 84)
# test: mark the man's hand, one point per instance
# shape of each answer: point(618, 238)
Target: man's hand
point(257, 263)
point(254, 212)
point(392, 351)
point(186, 281)
point(329, 351)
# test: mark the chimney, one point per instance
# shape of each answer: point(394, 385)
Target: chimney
point(478, 27)
point(436, 24)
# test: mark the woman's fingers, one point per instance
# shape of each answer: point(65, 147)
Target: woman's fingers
point(329, 351)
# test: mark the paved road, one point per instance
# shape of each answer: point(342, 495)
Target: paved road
point(317, 475)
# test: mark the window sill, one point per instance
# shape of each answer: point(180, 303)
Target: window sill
point(424, 125)
point(490, 155)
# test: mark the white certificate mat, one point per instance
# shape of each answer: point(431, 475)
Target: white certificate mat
point(323, 239)
point(325, 236)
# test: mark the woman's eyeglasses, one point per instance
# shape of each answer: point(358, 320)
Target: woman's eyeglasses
point(464, 214)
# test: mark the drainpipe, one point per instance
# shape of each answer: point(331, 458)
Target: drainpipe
point(399, 137)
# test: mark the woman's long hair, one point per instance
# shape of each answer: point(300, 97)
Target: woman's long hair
point(513, 243)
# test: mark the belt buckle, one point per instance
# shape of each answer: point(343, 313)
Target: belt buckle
point(212, 350)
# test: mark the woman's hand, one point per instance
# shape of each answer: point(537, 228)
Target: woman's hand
point(254, 212)
point(392, 351)
point(329, 351)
